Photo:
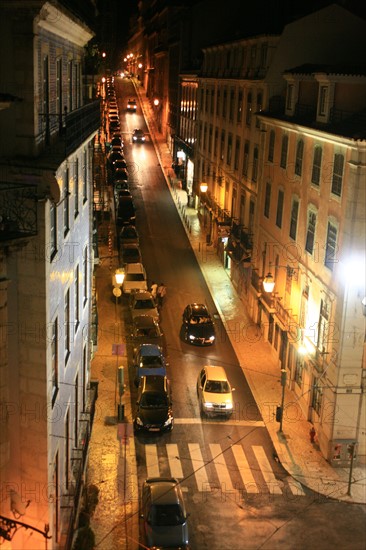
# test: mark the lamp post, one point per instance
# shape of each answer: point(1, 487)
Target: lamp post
point(117, 280)
point(203, 190)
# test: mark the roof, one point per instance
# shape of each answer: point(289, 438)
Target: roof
point(164, 489)
point(149, 350)
point(344, 70)
point(144, 321)
point(216, 372)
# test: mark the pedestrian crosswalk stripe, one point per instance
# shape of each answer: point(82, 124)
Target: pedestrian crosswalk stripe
point(209, 422)
point(244, 469)
point(198, 466)
point(174, 460)
point(295, 487)
point(152, 461)
point(266, 470)
point(221, 468)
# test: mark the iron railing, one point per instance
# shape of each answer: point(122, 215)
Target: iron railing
point(18, 211)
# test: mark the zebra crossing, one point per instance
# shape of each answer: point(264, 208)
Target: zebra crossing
point(212, 466)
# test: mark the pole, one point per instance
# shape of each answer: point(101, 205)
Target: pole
point(283, 384)
point(351, 468)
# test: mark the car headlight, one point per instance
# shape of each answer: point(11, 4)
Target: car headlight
point(168, 421)
point(191, 337)
point(208, 405)
point(229, 405)
point(212, 338)
point(139, 421)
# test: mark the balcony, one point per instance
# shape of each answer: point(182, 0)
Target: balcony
point(70, 130)
point(18, 211)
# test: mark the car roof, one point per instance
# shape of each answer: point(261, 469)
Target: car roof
point(164, 490)
point(215, 372)
point(144, 295)
point(199, 309)
point(135, 268)
point(154, 383)
point(144, 321)
point(149, 350)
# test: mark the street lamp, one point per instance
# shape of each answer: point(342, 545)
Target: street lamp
point(117, 280)
point(268, 283)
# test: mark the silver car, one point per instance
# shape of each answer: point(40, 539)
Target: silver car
point(214, 392)
point(164, 513)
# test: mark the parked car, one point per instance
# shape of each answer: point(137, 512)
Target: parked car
point(148, 360)
point(198, 326)
point(125, 211)
point(146, 330)
point(138, 136)
point(120, 174)
point(143, 303)
point(129, 234)
point(135, 278)
point(214, 392)
point(117, 142)
point(154, 406)
point(164, 513)
point(131, 105)
point(130, 254)
point(113, 156)
point(120, 164)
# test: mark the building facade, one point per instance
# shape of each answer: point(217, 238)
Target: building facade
point(46, 206)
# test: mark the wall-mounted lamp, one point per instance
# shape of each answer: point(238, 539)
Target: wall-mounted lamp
point(268, 283)
point(203, 187)
point(119, 276)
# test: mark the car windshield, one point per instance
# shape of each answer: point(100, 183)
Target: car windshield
point(166, 515)
point(134, 277)
point(151, 361)
point(148, 332)
point(217, 386)
point(144, 304)
point(153, 400)
point(200, 320)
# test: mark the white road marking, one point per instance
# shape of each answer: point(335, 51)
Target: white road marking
point(152, 461)
point(266, 470)
point(174, 460)
point(221, 468)
point(244, 469)
point(198, 467)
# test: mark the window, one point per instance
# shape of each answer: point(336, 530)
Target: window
point(210, 133)
point(229, 150)
point(246, 159)
point(46, 91)
point(56, 498)
point(337, 174)
point(71, 85)
point(290, 96)
point(317, 396)
point(59, 97)
point(284, 149)
point(54, 359)
point(259, 108)
point(76, 188)
point(224, 103)
point(212, 105)
point(85, 367)
point(77, 299)
point(67, 449)
point(299, 367)
point(323, 325)
point(216, 139)
point(67, 335)
point(317, 162)
point(299, 157)
point(279, 212)
point(85, 176)
point(331, 246)
point(232, 104)
point(242, 210)
point(85, 273)
point(294, 217)
point(218, 99)
point(237, 153)
point(222, 144)
point(66, 203)
point(251, 215)
point(310, 232)
point(255, 164)
point(248, 117)
point(267, 200)
point(76, 410)
point(53, 230)
point(323, 95)
point(271, 145)
point(239, 112)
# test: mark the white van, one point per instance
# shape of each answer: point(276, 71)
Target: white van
point(135, 278)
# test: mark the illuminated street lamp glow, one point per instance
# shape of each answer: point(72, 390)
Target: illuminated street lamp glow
point(268, 283)
point(156, 102)
point(119, 275)
point(203, 187)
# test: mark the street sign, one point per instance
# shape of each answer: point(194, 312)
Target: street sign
point(117, 291)
point(118, 349)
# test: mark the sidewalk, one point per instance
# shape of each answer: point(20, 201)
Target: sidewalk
point(298, 456)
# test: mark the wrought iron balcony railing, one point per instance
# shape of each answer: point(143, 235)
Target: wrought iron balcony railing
point(18, 211)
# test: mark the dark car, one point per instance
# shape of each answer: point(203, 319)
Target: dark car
point(117, 142)
point(149, 360)
point(146, 330)
point(164, 514)
point(120, 164)
point(113, 156)
point(154, 406)
point(129, 234)
point(130, 254)
point(198, 325)
point(125, 214)
point(138, 136)
point(120, 174)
